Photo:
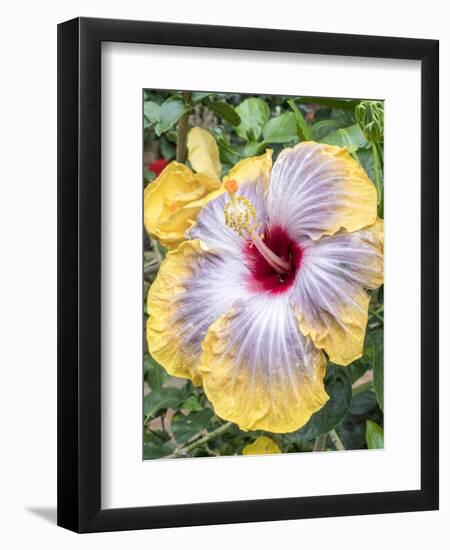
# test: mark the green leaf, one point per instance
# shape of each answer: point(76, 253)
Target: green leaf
point(149, 175)
point(352, 432)
point(151, 111)
point(346, 104)
point(303, 130)
point(157, 444)
point(252, 148)
point(363, 403)
point(170, 112)
point(197, 97)
point(155, 434)
point(156, 449)
point(281, 129)
point(338, 387)
point(374, 435)
point(185, 427)
point(166, 115)
point(254, 113)
point(192, 403)
point(167, 148)
point(162, 398)
point(228, 155)
point(154, 373)
point(356, 370)
point(378, 367)
point(351, 137)
point(322, 128)
point(226, 112)
point(171, 135)
point(367, 162)
point(148, 361)
point(155, 96)
point(360, 366)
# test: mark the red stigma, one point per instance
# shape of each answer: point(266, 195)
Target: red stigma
point(263, 278)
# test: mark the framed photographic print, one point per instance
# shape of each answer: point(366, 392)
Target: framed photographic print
point(248, 275)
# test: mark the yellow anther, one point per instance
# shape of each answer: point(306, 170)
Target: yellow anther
point(240, 215)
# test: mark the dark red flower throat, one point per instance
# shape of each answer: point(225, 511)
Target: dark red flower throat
point(263, 277)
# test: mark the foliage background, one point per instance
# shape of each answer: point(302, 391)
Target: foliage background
point(178, 420)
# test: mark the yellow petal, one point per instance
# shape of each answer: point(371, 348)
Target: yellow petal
point(263, 445)
point(252, 169)
point(259, 371)
point(374, 234)
point(164, 329)
point(185, 218)
point(203, 153)
point(209, 183)
point(341, 334)
point(330, 302)
point(172, 202)
point(364, 211)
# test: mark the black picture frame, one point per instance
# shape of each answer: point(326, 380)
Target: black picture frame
point(79, 274)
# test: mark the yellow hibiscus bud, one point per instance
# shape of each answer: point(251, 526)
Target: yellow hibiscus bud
point(173, 200)
point(263, 445)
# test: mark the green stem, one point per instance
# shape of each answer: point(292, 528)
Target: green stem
point(201, 441)
point(380, 153)
point(320, 443)
point(350, 146)
point(336, 440)
point(210, 451)
point(377, 174)
point(377, 315)
point(304, 131)
point(182, 131)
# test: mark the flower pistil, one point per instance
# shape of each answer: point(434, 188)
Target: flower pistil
point(240, 215)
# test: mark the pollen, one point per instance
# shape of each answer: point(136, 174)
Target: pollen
point(240, 215)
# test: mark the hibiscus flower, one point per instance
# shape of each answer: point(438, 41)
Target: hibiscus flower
point(270, 280)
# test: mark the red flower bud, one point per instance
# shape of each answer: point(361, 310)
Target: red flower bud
point(158, 165)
